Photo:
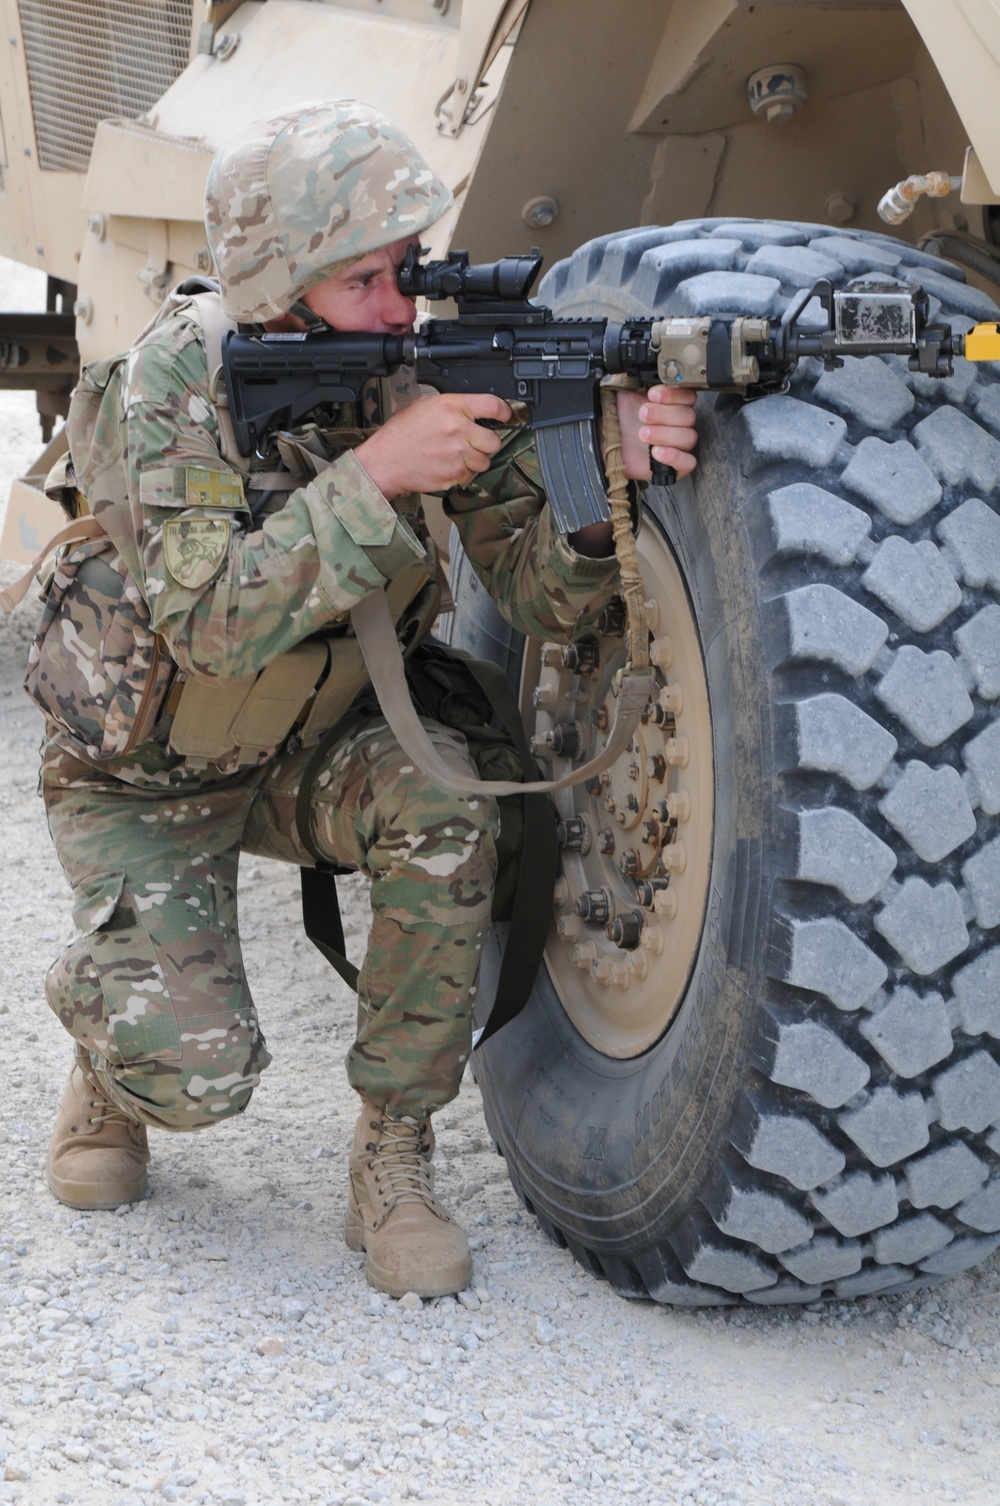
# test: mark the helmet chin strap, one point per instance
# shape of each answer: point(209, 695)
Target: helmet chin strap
point(309, 317)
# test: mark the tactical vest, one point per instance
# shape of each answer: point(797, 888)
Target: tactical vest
point(97, 668)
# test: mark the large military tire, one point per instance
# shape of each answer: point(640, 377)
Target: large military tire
point(793, 1090)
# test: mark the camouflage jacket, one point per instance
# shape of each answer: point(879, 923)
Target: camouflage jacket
point(196, 577)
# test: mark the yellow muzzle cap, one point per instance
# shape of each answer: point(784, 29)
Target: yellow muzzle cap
point(983, 343)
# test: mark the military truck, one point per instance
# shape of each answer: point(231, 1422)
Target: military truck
point(761, 1061)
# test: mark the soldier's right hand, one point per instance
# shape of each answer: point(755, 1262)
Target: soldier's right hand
point(434, 443)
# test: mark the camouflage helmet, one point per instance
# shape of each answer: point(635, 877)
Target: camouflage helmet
point(293, 197)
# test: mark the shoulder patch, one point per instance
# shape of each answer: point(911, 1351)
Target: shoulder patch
point(208, 488)
point(194, 549)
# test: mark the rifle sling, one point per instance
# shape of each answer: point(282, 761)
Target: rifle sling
point(377, 640)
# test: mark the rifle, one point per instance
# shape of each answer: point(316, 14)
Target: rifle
point(503, 343)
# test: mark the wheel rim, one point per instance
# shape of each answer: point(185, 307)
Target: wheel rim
point(631, 896)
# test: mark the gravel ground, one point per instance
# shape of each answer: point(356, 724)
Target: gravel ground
point(217, 1343)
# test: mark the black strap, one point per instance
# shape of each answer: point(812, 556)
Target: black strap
point(322, 920)
point(321, 916)
point(531, 911)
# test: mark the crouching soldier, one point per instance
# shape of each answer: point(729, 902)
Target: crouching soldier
point(189, 667)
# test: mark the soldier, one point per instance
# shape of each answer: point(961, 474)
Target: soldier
point(208, 601)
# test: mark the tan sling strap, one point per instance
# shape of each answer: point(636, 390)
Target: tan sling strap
point(76, 532)
point(636, 685)
point(377, 639)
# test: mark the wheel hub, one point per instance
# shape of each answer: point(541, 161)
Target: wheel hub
point(636, 841)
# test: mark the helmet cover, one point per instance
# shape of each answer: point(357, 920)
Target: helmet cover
point(292, 198)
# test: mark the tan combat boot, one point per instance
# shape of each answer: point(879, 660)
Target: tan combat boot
point(392, 1213)
point(98, 1155)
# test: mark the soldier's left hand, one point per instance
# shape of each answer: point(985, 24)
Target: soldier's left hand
point(661, 420)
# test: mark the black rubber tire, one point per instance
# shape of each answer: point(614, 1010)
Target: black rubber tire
point(820, 1117)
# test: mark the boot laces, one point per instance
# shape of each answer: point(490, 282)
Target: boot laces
point(400, 1160)
point(103, 1113)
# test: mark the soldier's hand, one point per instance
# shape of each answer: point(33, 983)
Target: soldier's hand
point(661, 420)
point(434, 443)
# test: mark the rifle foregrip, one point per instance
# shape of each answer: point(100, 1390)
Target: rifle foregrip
point(662, 475)
point(572, 474)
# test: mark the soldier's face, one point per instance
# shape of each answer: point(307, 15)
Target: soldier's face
point(365, 295)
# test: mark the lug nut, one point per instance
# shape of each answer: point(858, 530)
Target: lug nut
point(656, 766)
point(661, 653)
point(594, 906)
point(677, 751)
point(593, 786)
point(605, 840)
point(674, 857)
point(651, 833)
point(625, 930)
point(611, 622)
point(583, 953)
point(653, 938)
point(599, 718)
point(672, 699)
point(630, 862)
point(564, 739)
point(581, 657)
point(638, 963)
point(569, 927)
point(679, 805)
point(573, 835)
point(542, 696)
point(647, 891)
point(665, 904)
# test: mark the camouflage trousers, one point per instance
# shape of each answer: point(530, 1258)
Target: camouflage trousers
point(154, 988)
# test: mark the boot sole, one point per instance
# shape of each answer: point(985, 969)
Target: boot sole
point(384, 1281)
point(89, 1196)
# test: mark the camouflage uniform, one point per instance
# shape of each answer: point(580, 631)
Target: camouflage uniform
point(153, 987)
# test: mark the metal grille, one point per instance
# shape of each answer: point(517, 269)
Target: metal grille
point(91, 59)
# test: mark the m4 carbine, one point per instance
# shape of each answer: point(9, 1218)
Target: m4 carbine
point(501, 342)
